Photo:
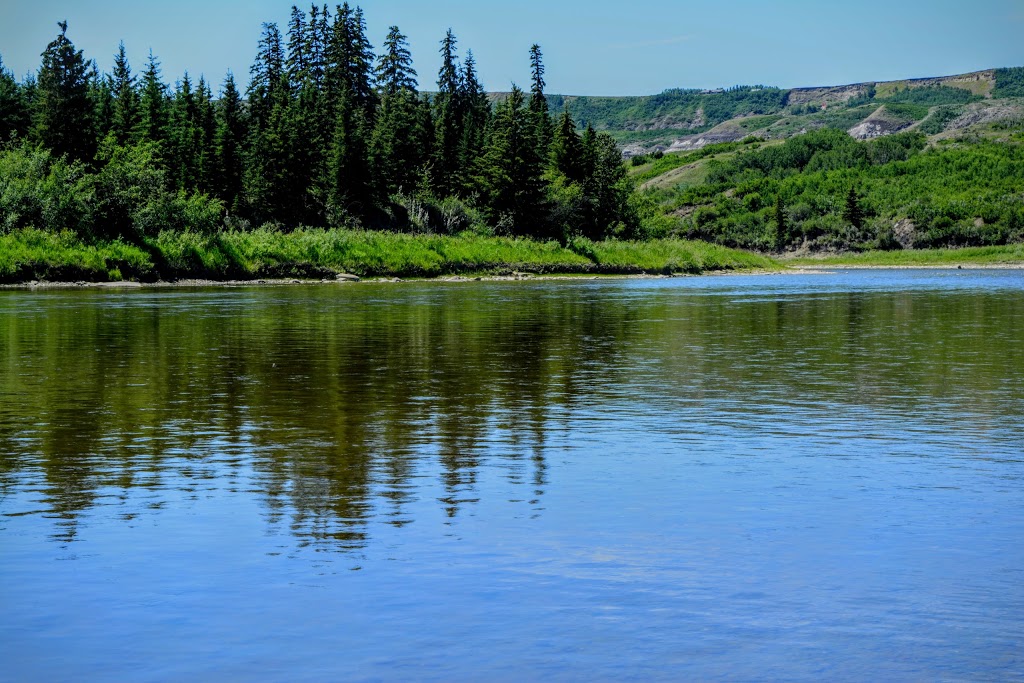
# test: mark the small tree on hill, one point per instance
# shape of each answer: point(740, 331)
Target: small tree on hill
point(852, 213)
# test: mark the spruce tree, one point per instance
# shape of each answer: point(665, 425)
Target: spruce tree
point(154, 105)
point(852, 213)
point(567, 149)
point(230, 138)
point(184, 137)
point(63, 110)
point(448, 122)
point(298, 40)
point(350, 192)
point(511, 181)
point(477, 114)
point(395, 147)
point(539, 103)
point(126, 99)
point(101, 92)
point(206, 123)
point(14, 110)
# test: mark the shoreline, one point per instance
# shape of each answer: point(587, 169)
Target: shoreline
point(345, 279)
point(350, 280)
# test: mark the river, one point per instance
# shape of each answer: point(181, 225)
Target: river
point(792, 477)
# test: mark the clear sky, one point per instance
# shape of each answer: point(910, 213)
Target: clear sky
point(591, 47)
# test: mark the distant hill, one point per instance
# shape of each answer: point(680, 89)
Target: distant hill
point(690, 119)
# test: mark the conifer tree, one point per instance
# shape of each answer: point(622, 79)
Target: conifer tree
point(207, 125)
point(448, 121)
point(14, 111)
point(852, 213)
point(63, 110)
point(350, 193)
point(154, 105)
point(511, 172)
point(349, 62)
point(298, 39)
point(396, 145)
point(125, 118)
point(101, 92)
point(477, 113)
point(231, 134)
point(184, 137)
point(567, 149)
point(539, 103)
point(317, 35)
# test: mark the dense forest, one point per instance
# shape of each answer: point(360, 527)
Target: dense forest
point(327, 133)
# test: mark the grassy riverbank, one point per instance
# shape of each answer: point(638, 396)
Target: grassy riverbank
point(1008, 255)
point(27, 255)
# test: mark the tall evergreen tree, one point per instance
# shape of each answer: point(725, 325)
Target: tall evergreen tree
point(350, 191)
point(394, 70)
point(539, 103)
point(184, 137)
point(298, 45)
point(511, 181)
point(101, 92)
point(63, 110)
point(397, 145)
point(567, 150)
point(317, 36)
point(126, 99)
point(230, 138)
point(154, 105)
point(349, 62)
point(604, 186)
point(14, 109)
point(448, 122)
point(477, 114)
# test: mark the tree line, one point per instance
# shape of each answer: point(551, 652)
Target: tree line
point(328, 132)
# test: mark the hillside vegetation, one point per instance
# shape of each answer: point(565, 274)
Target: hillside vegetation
point(824, 190)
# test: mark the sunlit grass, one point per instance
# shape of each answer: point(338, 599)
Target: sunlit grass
point(1012, 254)
point(319, 253)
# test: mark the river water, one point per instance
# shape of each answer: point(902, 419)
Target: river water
point(790, 477)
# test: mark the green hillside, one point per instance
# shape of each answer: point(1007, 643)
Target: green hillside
point(681, 119)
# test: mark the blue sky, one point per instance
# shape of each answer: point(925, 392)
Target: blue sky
point(591, 47)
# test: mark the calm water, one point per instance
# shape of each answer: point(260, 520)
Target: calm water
point(794, 477)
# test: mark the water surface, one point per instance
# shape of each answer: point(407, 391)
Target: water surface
point(799, 477)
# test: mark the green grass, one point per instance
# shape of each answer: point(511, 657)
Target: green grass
point(1012, 254)
point(36, 255)
point(317, 253)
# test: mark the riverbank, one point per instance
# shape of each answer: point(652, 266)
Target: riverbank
point(28, 256)
point(1006, 256)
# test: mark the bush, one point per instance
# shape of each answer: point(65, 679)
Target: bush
point(39, 190)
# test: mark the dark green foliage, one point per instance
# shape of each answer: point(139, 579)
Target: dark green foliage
point(125, 118)
point(229, 141)
point(932, 95)
point(780, 236)
point(543, 129)
point(511, 185)
point(952, 195)
point(398, 142)
point(14, 106)
point(446, 172)
point(675, 106)
point(852, 213)
point(1009, 82)
point(320, 138)
point(63, 109)
point(155, 106)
